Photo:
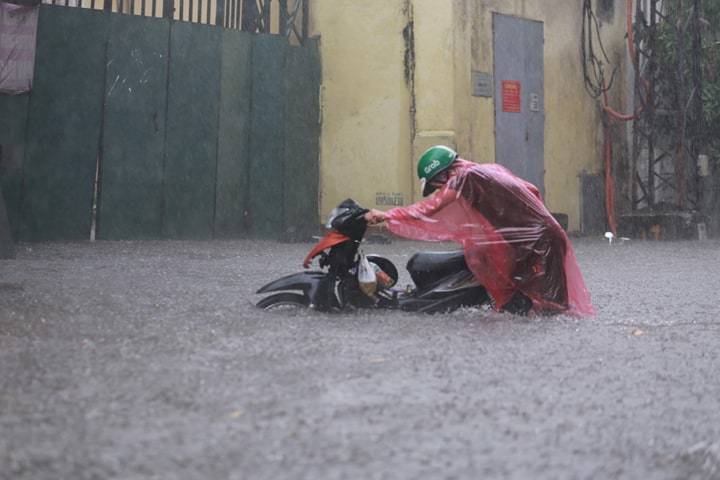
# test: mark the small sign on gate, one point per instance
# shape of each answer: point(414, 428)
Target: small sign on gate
point(511, 90)
point(534, 102)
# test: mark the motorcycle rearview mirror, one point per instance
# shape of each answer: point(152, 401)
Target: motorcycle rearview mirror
point(335, 213)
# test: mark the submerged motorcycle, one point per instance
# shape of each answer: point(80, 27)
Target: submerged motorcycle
point(442, 280)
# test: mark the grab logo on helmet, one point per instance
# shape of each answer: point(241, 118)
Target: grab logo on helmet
point(435, 163)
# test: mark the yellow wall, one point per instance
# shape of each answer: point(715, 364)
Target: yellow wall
point(366, 121)
point(371, 137)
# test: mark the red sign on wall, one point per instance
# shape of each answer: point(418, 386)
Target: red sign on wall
point(511, 96)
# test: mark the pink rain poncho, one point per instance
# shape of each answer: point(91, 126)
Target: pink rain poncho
point(511, 241)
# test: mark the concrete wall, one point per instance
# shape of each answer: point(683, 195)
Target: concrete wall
point(388, 94)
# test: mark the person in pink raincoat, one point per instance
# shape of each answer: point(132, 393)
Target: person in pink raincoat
point(512, 243)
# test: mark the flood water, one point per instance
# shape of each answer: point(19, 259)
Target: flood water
point(149, 360)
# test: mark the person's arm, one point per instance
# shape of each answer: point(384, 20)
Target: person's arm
point(419, 210)
point(425, 208)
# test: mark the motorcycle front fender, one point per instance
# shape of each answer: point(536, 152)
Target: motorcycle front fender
point(317, 286)
point(297, 281)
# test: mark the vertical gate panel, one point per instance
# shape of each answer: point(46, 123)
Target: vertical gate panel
point(267, 136)
point(302, 134)
point(13, 116)
point(519, 135)
point(192, 131)
point(64, 123)
point(134, 129)
point(234, 130)
point(13, 120)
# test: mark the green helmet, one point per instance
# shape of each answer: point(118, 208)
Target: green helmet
point(435, 160)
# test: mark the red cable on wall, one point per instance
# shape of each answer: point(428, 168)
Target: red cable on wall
point(617, 116)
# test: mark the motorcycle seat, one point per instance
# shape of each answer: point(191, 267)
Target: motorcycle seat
point(437, 261)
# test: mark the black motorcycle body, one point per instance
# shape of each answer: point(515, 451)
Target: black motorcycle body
point(442, 280)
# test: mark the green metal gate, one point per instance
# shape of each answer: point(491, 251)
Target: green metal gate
point(194, 131)
point(233, 162)
point(65, 112)
point(133, 136)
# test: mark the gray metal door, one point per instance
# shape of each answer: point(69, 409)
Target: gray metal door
point(519, 98)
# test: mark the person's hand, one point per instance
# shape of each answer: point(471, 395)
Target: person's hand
point(374, 217)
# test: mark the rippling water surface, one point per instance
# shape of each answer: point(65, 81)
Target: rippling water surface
point(148, 360)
